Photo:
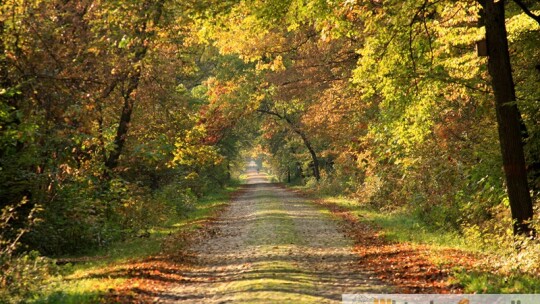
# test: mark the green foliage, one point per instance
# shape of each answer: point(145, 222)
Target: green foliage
point(83, 216)
point(328, 185)
point(502, 268)
point(63, 90)
point(25, 276)
point(392, 99)
point(22, 274)
point(401, 226)
point(180, 199)
point(79, 282)
point(484, 282)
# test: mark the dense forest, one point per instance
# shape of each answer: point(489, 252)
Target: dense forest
point(116, 115)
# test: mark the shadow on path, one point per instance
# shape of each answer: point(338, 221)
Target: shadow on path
point(268, 246)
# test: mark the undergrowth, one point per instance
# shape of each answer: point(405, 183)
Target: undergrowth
point(500, 267)
point(85, 279)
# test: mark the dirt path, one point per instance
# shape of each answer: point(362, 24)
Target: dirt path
point(272, 246)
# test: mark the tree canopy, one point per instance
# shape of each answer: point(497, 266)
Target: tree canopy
point(105, 104)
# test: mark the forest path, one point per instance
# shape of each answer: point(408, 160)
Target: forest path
point(272, 246)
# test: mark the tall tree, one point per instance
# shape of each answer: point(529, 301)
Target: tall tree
point(508, 116)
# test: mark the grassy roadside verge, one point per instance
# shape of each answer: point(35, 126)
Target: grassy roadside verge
point(408, 253)
point(116, 273)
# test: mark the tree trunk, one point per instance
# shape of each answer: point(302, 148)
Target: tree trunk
point(288, 174)
point(307, 143)
point(133, 77)
point(305, 140)
point(314, 157)
point(123, 124)
point(508, 117)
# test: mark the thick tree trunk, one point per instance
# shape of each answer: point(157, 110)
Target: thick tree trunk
point(508, 117)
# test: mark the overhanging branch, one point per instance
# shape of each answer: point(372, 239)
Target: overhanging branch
point(527, 10)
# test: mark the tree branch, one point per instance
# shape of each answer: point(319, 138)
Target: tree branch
point(527, 10)
point(270, 113)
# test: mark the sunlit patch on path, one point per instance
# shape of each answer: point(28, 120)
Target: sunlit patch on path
point(272, 246)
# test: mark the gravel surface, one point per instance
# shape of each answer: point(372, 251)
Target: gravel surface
point(272, 246)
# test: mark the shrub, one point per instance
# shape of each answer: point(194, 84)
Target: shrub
point(21, 274)
point(24, 276)
point(179, 199)
point(328, 185)
point(80, 217)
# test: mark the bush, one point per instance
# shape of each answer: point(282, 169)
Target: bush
point(25, 275)
point(82, 216)
point(176, 197)
point(328, 185)
point(87, 214)
point(22, 275)
point(509, 254)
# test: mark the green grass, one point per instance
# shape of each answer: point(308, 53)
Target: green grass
point(482, 282)
point(84, 281)
point(76, 291)
point(402, 226)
